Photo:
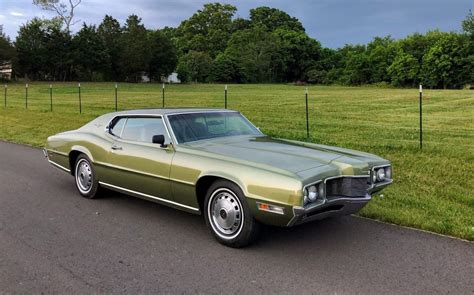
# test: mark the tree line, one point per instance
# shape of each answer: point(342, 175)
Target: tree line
point(215, 46)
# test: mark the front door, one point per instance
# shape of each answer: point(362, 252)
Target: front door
point(137, 164)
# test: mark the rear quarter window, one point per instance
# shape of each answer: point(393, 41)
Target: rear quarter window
point(118, 127)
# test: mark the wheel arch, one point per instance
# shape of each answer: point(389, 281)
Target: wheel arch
point(205, 181)
point(74, 154)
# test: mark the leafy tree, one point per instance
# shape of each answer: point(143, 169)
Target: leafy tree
point(59, 58)
point(44, 50)
point(212, 45)
point(468, 24)
point(169, 32)
point(318, 76)
point(208, 30)
point(164, 58)
point(381, 53)
point(110, 32)
point(90, 54)
point(328, 69)
point(416, 45)
point(436, 67)
point(7, 50)
point(31, 49)
point(194, 66)
point(272, 19)
point(225, 69)
point(442, 62)
point(240, 24)
point(298, 52)
point(135, 53)
point(258, 53)
point(468, 28)
point(356, 67)
point(404, 69)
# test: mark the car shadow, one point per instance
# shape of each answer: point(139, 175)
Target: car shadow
point(338, 230)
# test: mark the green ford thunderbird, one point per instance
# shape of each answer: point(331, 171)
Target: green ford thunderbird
point(216, 163)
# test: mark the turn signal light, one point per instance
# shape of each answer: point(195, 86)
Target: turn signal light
point(270, 208)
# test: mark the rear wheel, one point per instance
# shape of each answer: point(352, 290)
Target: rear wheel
point(85, 176)
point(228, 216)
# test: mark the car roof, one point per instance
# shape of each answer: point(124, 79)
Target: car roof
point(169, 111)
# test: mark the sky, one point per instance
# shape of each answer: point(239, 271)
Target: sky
point(332, 22)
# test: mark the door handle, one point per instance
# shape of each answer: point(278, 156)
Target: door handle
point(116, 148)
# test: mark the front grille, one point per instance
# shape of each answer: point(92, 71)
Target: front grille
point(351, 187)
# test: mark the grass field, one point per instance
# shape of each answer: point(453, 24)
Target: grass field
point(433, 188)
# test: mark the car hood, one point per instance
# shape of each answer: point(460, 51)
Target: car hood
point(292, 156)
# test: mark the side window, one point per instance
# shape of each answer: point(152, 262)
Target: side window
point(143, 129)
point(118, 127)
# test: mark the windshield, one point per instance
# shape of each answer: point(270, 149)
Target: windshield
point(198, 126)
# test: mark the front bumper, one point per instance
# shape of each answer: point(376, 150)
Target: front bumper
point(335, 207)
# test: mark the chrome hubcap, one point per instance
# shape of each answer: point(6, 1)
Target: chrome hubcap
point(226, 213)
point(83, 176)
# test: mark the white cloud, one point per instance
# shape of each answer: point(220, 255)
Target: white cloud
point(14, 13)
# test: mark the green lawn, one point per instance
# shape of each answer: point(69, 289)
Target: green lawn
point(433, 189)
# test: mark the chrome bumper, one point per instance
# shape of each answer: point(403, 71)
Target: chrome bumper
point(335, 207)
point(377, 187)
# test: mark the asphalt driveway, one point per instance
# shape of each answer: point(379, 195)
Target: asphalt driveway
point(54, 241)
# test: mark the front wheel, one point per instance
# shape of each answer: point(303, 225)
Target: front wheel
point(86, 179)
point(228, 216)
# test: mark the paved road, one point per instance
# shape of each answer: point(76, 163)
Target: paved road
point(54, 241)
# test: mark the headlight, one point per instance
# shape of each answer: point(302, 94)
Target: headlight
point(312, 193)
point(374, 177)
point(388, 172)
point(380, 174)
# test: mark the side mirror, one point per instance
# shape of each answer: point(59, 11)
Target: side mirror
point(159, 139)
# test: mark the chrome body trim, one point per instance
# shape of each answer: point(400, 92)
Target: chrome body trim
point(169, 129)
point(57, 152)
point(345, 176)
point(314, 205)
point(335, 207)
point(128, 191)
point(378, 186)
point(339, 205)
point(183, 181)
point(59, 166)
point(127, 116)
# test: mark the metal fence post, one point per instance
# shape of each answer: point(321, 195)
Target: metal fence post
point(225, 97)
point(163, 96)
point(5, 99)
point(51, 97)
point(80, 99)
point(116, 102)
point(421, 117)
point(307, 113)
point(26, 96)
